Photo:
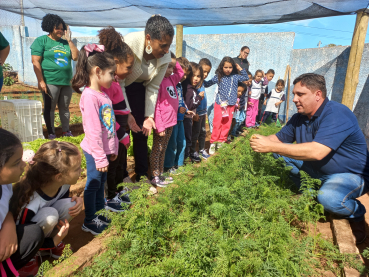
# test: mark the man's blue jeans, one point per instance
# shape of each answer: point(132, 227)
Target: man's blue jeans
point(94, 190)
point(338, 192)
point(175, 152)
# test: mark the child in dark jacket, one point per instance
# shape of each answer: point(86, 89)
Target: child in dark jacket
point(174, 155)
point(198, 127)
point(192, 100)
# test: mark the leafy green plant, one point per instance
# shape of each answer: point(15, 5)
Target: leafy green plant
point(238, 214)
point(24, 95)
point(8, 81)
point(75, 119)
point(57, 121)
point(7, 67)
point(46, 265)
point(36, 144)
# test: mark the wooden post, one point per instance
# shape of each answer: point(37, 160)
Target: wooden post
point(288, 92)
point(179, 41)
point(356, 53)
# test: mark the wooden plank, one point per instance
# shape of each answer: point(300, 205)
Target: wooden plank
point(179, 41)
point(356, 53)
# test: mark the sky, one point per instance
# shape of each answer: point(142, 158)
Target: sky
point(329, 30)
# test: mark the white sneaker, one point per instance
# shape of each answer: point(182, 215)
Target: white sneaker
point(212, 149)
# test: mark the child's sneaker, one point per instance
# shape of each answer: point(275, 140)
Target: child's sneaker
point(195, 158)
point(156, 181)
point(204, 154)
point(212, 149)
point(114, 204)
point(52, 136)
point(166, 178)
point(95, 227)
point(67, 134)
point(31, 268)
point(104, 219)
point(57, 251)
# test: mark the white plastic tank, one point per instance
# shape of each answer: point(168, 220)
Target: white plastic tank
point(23, 118)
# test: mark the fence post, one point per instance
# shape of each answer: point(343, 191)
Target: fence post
point(356, 53)
point(179, 41)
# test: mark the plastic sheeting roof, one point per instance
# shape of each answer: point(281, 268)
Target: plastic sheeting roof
point(134, 13)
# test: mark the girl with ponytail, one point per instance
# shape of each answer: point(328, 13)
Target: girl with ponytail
point(96, 71)
point(42, 195)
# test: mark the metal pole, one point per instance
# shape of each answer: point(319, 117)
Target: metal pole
point(179, 41)
point(356, 53)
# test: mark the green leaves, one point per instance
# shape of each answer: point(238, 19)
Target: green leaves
point(230, 216)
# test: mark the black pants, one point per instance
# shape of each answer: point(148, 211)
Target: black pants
point(187, 124)
point(260, 113)
point(198, 134)
point(117, 171)
point(136, 98)
point(267, 114)
point(30, 239)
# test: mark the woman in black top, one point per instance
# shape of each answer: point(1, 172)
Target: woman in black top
point(241, 60)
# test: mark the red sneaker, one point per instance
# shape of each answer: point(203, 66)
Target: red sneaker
point(30, 269)
point(57, 251)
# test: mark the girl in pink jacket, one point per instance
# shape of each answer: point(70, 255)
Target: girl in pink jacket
point(95, 69)
point(165, 118)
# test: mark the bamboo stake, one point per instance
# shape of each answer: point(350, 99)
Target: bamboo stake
point(179, 41)
point(288, 92)
point(356, 53)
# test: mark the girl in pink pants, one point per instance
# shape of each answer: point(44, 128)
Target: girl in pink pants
point(253, 103)
point(227, 77)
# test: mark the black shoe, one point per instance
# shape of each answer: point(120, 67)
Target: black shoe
point(195, 157)
point(358, 230)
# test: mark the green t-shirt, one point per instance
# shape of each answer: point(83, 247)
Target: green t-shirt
point(3, 44)
point(56, 60)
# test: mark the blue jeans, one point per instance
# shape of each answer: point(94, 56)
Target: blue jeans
point(94, 190)
point(338, 192)
point(239, 120)
point(175, 152)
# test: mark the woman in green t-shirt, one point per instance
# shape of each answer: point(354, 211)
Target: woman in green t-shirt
point(52, 62)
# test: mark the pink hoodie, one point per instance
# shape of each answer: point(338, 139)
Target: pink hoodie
point(166, 108)
point(99, 126)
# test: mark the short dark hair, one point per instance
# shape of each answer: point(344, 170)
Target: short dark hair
point(243, 85)
point(50, 21)
point(8, 145)
point(280, 81)
point(244, 47)
point(158, 26)
point(271, 71)
point(205, 61)
point(313, 82)
point(184, 63)
point(172, 55)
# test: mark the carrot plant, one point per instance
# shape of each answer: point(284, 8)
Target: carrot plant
point(238, 214)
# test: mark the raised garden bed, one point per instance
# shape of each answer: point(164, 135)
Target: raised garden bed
point(235, 215)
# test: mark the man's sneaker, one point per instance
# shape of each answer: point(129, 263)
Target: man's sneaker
point(31, 268)
point(195, 157)
point(67, 134)
point(166, 178)
point(212, 148)
point(156, 181)
point(104, 219)
point(95, 227)
point(204, 154)
point(114, 204)
point(57, 251)
point(52, 136)
point(123, 197)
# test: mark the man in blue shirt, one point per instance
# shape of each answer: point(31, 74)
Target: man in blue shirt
point(329, 146)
